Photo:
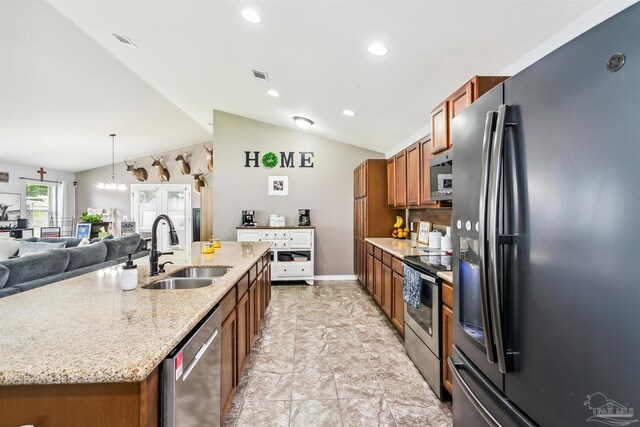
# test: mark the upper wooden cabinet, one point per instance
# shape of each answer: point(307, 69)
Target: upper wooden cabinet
point(439, 128)
point(413, 174)
point(401, 179)
point(360, 181)
point(425, 172)
point(391, 182)
point(457, 102)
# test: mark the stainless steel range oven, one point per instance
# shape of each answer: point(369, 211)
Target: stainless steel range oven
point(422, 329)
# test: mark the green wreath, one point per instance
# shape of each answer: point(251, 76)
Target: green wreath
point(270, 160)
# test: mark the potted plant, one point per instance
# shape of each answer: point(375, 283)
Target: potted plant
point(96, 222)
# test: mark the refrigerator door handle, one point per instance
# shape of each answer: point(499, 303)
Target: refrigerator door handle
point(456, 364)
point(489, 128)
point(494, 230)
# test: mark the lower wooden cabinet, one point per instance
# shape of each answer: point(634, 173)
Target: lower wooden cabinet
point(377, 280)
point(242, 339)
point(386, 294)
point(447, 335)
point(370, 276)
point(241, 325)
point(397, 310)
point(228, 374)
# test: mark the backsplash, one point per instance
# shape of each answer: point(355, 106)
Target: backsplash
point(439, 218)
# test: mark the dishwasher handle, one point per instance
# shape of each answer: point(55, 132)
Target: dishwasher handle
point(201, 351)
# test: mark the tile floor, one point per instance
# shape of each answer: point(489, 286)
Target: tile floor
point(326, 355)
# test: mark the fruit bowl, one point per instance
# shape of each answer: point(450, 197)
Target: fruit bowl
point(400, 233)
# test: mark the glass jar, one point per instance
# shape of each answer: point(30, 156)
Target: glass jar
point(207, 248)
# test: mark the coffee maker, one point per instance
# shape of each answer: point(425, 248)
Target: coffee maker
point(304, 219)
point(248, 219)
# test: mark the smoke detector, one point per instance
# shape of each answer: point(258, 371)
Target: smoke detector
point(124, 39)
point(260, 75)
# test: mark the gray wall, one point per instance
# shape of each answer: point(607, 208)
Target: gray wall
point(326, 189)
point(17, 185)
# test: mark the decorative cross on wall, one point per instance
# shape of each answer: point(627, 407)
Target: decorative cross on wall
point(42, 172)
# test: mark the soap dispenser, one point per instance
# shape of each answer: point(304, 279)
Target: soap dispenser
point(129, 275)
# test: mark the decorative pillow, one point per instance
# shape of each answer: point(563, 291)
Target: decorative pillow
point(84, 242)
point(8, 248)
point(30, 248)
point(102, 239)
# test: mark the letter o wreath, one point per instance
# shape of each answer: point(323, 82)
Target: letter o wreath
point(270, 160)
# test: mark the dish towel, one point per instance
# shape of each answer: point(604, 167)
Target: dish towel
point(412, 287)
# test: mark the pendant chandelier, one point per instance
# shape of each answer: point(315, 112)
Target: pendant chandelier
point(112, 184)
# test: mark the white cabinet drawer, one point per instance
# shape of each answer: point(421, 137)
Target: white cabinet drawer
point(294, 269)
point(249, 235)
point(300, 239)
point(275, 234)
point(279, 244)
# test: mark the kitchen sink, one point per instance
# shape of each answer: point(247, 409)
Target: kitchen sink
point(201, 272)
point(181, 283)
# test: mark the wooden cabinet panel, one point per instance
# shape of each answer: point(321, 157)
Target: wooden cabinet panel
point(397, 266)
point(391, 182)
point(457, 102)
point(387, 284)
point(228, 379)
point(447, 347)
point(425, 172)
point(413, 175)
point(377, 280)
point(447, 294)
point(228, 303)
point(401, 179)
point(268, 281)
point(439, 128)
point(386, 258)
point(377, 253)
point(370, 272)
point(259, 299)
point(252, 312)
point(369, 248)
point(397, 309)
point(242, 333)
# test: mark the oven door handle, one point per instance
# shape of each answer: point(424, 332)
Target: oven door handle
point(428, 278)
point(487, 143)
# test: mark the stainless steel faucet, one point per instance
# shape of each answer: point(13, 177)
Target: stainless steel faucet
point(155, 253)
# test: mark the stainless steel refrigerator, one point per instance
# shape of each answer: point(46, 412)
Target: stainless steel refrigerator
point(546, 219)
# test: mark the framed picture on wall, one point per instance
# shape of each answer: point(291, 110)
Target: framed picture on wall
point(83, 231)
point(278, 186)
point(10, 206)
point(127, 227)
point(424, 227)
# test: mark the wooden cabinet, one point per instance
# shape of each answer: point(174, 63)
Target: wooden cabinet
point(243, 345)
point(447, 335)
point(425, 172)
point(372, 216)
point(401, 179)
point(413, 174)
point(370, 273)
point(397, 308)
point(391, 182)
point(386, 294)
point(439, 128)
point(228, 377)
point(377, 280)
point(252, 312)
point(457, 102)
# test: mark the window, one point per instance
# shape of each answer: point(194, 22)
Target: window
point(42, 204)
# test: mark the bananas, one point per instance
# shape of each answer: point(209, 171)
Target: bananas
point(399, 222)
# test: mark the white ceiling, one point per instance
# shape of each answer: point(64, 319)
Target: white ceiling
point(61, 89)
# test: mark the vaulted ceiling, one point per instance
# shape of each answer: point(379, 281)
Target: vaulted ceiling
point(66, 82)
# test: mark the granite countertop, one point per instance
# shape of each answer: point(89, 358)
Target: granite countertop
point(446, 275)
point(402, 248)
point(87, 330)
point(397, 247)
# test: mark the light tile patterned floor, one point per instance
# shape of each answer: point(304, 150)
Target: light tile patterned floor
point(326, 355)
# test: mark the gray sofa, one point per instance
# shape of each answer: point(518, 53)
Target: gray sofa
point(30, 272)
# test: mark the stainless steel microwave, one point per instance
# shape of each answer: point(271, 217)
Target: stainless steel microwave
point(441, 176)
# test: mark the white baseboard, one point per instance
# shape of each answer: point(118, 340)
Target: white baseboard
point(336, 277)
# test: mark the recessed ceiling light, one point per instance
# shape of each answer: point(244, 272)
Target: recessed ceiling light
point(303, 122)
point(274, 93)
point(251, 16)
point(348, 113)
point(124, 39)
point(378, 49)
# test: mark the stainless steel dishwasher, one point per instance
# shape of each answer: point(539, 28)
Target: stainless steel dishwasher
point(191, 377)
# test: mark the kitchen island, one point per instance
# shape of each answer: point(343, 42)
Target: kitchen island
point(83, 345)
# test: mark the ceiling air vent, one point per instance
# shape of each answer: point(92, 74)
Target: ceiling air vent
point(124, 39)
point(260, 75)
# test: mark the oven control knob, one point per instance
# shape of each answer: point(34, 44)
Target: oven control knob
point(459, 225)
point(467, 225)
point(477, 226)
